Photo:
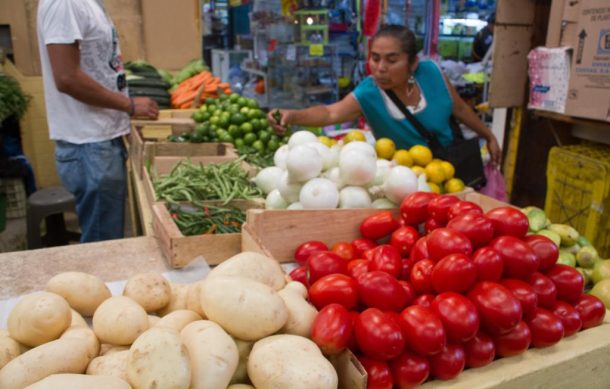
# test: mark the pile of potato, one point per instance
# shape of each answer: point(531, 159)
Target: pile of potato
point(244, 326)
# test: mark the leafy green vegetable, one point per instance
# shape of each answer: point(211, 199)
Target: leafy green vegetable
point(12, 99)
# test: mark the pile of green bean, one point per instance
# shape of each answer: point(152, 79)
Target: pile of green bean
point(189, 182)
point(207, 219)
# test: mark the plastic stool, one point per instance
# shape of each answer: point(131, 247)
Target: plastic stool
point(49, 204)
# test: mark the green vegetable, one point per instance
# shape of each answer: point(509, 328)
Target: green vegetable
point(12, 99)
point(277, 116)
point(207, 219)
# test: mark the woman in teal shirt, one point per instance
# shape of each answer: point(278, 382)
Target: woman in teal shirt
point(420, 85)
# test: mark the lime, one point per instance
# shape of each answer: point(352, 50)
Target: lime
point(215, 120)
point(197, 116)
point(259, 146)
point(256, 124)
point(233, 97)
point(233, 108)
point(237, 118)
point(246, 128)
point(252, 114)
point(210, 101)
point(249, 138)
point(239, 143)
point(235, 131)
point(201, 128)
point(223, 97)
point(252, 104)
point(242, 102)
point(206, 116)
point(244, 111)
point(213, 128)
point(196, 137)
point(264, 136)
point(224, 121)
point(226, 138)
point(203, 108)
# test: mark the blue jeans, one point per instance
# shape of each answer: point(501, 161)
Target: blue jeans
point(95, 174)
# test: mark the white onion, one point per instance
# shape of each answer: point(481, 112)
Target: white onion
point(359, 146)
point(303, 163)
point(422, 184)
point(268, 178)
point(289, 191)
point(354, 197)
point(383, 165)
point(325, 154)
point(301, 137)
point(399, 182)
point(275, 200)
point(335, 151)
point(383, 203)
point(357, 168)
point(334, 175)
point(319, 193)
point(295, 206)
point(279, 158)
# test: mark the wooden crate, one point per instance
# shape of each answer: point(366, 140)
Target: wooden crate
point(179, 250)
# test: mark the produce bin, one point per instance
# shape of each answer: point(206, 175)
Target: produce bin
point(179, 250)
point(578, 191)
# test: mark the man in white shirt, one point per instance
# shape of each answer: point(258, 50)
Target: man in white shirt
point(88, 110)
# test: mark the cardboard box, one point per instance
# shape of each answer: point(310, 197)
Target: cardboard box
point(589, 90)
point(515, 12)
point(571, 10)
point(553, 32)
point(569, 34)
point(549, 75)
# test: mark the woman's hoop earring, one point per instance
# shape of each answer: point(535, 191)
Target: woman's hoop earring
point(411, 80)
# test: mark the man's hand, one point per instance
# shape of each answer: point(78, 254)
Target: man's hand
point(144, 108)
point(278, 119)
point(494, 151)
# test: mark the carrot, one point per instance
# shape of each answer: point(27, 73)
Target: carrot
point(188, 96)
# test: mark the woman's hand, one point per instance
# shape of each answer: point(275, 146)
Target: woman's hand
point(279, 120)
point(494, 151)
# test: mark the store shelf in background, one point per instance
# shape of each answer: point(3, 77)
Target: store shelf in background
point(573, 120)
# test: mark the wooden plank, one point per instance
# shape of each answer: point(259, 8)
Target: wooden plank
point(516, 12)
point(597, 124)
point(144, 205)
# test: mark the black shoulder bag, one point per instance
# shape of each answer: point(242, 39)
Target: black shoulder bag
point(464, 155)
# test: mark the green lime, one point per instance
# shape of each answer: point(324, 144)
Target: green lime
point(235, 131)
point(264, 136)
point(273, 145)
point(224, 122)
point(246, 128)
point(215, 120)
point(223, 97)
point(242, 101)
point(252, 103)
point(210, 101)
point(212, 128)
point(203, 108)
point(201, 128)
point(237, 118)
point(197, 116)
point(259, 146)
point(252, 114)
point(244, 111)
point(249, 138)
point(256, 125)
point(233, 108)
point(239, 143)
point(226, 138)
point(206, 116)
point(196, 137)
point(233, 97)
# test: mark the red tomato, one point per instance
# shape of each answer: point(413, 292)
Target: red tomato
point(524, 293)
point(546, 328)
point(499, 310)
point(591, 310)
point(409, 291)
point(570, 318)
point(378, 225)
point(379, 375)
point(508, 221)
point(345, 250)
point(443, 241)
point(454, 273)
point(409, 370)
point(519, 259)
point(438, 207)
point(323, 263)
point(379, 336)
point(403, 239)
point(378, 289)
point(464, 207)
point(356, 267)
point(449, 363)
point(477, 228)
point(353, 343)
point(425, 300)
point(368, 254)
point(431, 225)
point(545, 289)
point(458, 315)
point(489, 264)
point(420, 250)
point(306, 249)
point(361, 245)
point(545, 250)
point(421, 276)
point(480, 350)
point(300, 275)
point(414, 207)
point(405, 269)
point(569, 282)
point(513, 343)
point(423, 330)
point(331, 329)
point(334, 288)
point(386, 258)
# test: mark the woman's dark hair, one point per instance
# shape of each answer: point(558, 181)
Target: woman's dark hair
point(403, 35)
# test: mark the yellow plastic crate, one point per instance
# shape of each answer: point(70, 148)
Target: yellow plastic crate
point(578, 191)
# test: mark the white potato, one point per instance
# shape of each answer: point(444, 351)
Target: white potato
point(158, 359)
point(113, 364)
point(245, 308)
point(86, 336)
point(290, 361)
point(80, 381)
point(252, 265)
point(177, 320)
point(177, 299)
point(241, 372)
point(84, 292)
point(57, 356)
point(77, 320)
point(107, 349)
point(9, 348)
point(39, 318)
point(193, 302)
point(152, 320)
point(213, 354)
point(119, 321)
point(240, 386)
point(300, 312)
point(151, 290)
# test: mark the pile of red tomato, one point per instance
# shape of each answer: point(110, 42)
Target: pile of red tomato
point(441, 288)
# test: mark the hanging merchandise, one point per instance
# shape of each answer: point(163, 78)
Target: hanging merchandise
point(372, 12)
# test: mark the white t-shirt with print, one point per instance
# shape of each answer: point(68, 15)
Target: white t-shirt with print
point(85, 22)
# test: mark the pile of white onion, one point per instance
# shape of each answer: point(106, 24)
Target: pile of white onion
point(310, 175)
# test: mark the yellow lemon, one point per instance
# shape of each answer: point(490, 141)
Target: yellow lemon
point(402, 157)
point(421, 155)
point(434, 172)
point(454, 185)
point(354, 135)
point(418, 170)
point(434, 187)
point(385, 148)
point(333, 142)
point(448, 169)
point(325, 140)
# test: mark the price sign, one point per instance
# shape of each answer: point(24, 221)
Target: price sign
point(316, 50)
